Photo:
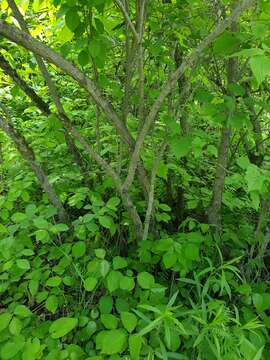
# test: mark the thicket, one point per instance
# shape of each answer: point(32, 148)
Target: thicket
point(134, 179)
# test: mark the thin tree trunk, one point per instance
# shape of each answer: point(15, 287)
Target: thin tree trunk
point(214, 216)
point(44, 108)
point(54, 94)
point(29, 156)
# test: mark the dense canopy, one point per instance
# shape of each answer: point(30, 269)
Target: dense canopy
point(134, 179)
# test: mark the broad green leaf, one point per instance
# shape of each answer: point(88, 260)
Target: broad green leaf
point(129, 320)
point(23, 264)
point(100, 253)
point(109, 321)
point(90, 283)
point(106, 221)
point(4, 320)
point(260, 66)
point(112, 341)
point(62, 327)
point(22, 311)
point(261, 301)
point(127, 283)
point(106, 304)
point(41, 223)
point(169, 259)
point(249, 52)
point(15, 326)
point(54, 281)
point(113, 202)
point(78, 249)
point(255, 179)
point(42, 236)
point(9, 350)
point(51, 303)
point(146, 280)
point(104, 267)
point(65, 35)
point(72, 19)
point(31, 349)
point(180, 146)
point(162, 170)
point(135, 344)
point(225, 44)
point(83, 58)
point(119, 263)
point(113, 280)
point(59, 228)
point(192, 251)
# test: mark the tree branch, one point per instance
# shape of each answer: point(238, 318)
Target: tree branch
point(54, 94)
point(29, 156)
point(188, 62)
point(127, 18)
point(28, 42)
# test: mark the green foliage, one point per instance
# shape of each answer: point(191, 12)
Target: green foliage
point(87, 288)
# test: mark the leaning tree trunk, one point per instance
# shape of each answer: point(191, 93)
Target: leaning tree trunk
point(29, 156)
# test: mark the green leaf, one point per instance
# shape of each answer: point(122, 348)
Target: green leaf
point(225, 44)
point(100, 253)
point(261, 301)
point(54, 281)
point(135, 344)
point(106, 304)
point(104, 267)
point(72, 19)
point(41, 223)
point(249, 52)
point(109, 321)
point(255, 180)
point(162, 170)
point(90, 283)
point(146, 280)
point(31, 349)
point(9, 350)
point(180, 146)
point(127, 283)
point(15, 326)
point(119, 263)
point(4, 320)
point(18, 217)
point(113, 280)
point(51, 303)
point(3, 229)
point(106, 221)
point(59, 228)
point(113, 202)
point(169, 259)
point(23, 264)
point(62, 327)
point(78, 249)
point(65, 35)
point(192, 251)
point(111, 341)
point(22, 311)
point(260, 66)
point(129, 320)
point(42, 236)
point(83, 58)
